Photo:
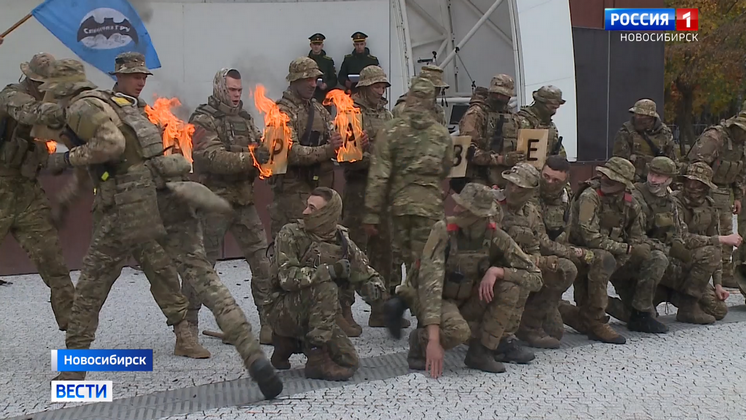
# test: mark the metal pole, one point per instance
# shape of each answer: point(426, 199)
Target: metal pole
point(492, 26)
point(407, 39)
point(471, 33)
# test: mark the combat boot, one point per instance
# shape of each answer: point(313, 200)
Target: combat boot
point(347, 314)
point(70, 376)
point(481, 358)
point(321, 366)
point(348, 329)
point(601, 331)
point(393, 311)
point(553, 325)
point(194, 329)
point(617, 309)
point(537, 338)
point(416, 356)
point(510, 351)
point(571, 316)
point(690, 312)
point(284, 348)
point(265, 335)
point(266, 377)
point(187, 345)
point(377, 317)
point(644, 322)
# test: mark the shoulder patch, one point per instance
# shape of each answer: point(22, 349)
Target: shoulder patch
point(348, 56)
point(452, 227)
point(599, 192)
point(121, 101)
point(492, 226)
point(628, 197)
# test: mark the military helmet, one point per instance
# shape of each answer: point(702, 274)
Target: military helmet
point(422, 88)
point(372, 75)
point(503, 84)
point(523, 174)
point(700, 171)
point(549, 94)
point(303, 68)
point(645, 107)
point(66, 76)
point(130, 63)
point(664, 166)
point(38, 68)
point(618, 169)
point(435, 75)
point(478, 199)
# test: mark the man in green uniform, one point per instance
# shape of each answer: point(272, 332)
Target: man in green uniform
point(328, 80)
point(356, 61)
point(538, 115)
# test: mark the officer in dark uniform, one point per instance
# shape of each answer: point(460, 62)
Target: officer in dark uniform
point(354, 63)
point(326, 65)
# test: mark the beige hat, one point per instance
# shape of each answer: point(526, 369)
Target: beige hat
point(523, 174)
point(702, 172)
point(435, 75)
point(503, 84)
point(618, 169)
point(645, 107)
point(38, 68)
point(549, 93)
point(65, 77)
point(303, 68)
point(372, 75)
point(130, 63)
point(478, 199)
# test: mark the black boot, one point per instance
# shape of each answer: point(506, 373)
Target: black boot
point(393, 312)
point(510, 351)
point(266, 377)
point(416, 356)
point(479, 357)
point(644, 322)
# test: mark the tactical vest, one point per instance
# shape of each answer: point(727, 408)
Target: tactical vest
point(615, 218)
point(467, 259)
point(235, 132)
point(641, 153)
point(508, 130)
point(535, 122)
point(730, 162)
point(555, 215)
point(519, 228)
point(660, 215)
point(698, 219)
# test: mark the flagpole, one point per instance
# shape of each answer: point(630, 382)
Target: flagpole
point(16, 25)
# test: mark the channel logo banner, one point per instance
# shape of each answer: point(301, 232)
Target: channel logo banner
point(102, 360)
point(640, 19)
point(82, 391)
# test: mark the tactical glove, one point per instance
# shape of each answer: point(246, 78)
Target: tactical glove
point(58, 162)
point(373, 291)
point(548, 263)
point(261, 154)
point(588, 256)
point(640, 251)
point(679, 251)
point(511, 158)
point(340, 269)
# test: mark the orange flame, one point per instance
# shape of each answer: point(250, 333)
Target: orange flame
point(176, 132)
point(51, 146)
point(276, 129)
point(349, 124)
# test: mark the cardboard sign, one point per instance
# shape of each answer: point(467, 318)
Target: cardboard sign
point(351, 149)
point(534, 143)
point(460, 147)
point(275, 141)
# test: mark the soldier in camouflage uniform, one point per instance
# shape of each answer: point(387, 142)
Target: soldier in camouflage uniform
point(493, 129)
point(740, 254)
point(24, 208)
point(606, 220)
point(723, 148)
point(139, 204)
point(644, 137)
point(310, 256)
point(435, 75)
point(523, 222)
point(538, 115)
point(224, 132)
point(413, 156)
point(468, 283)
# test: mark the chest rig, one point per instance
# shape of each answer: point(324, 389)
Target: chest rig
point(730, 162)
point(518, 225)
point(555, 214)
point(535, 122)
point(467, 259)
point(660, 214)
point(699, 218)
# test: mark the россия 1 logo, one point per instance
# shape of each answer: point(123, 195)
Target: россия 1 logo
point(646, 20)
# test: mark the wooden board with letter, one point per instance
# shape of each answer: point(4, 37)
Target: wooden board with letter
point(460, 147)
point(534, 143)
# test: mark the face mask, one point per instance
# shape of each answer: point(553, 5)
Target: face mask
point(658, 190)
point(551, 189)
point(517, 197)
point(497, 103)
point(695, 192)
point(323, 222)
point(611, 187)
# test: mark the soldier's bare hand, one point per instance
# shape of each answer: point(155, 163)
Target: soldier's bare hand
point(721, 293)
point(737, 207)
point(364, 140)
point(486, 287)
point(578, 252)
point(733, 239)
point(370, 230)
point(336, 140)
point(434, 355)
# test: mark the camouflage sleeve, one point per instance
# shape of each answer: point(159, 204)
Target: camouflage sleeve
point(622, 144)
point(589, 228)
point(714, 231)
point(706, 148)
point(548, 246)
point(432, 275)
point(636, 230)
point(104, 142)
point(292, 273)
point(472, 124)
point(520, 268)
point(25, 109)
point(378, 179)
point(669, 146)
point(209, 152)
point(692, 240)
point(739, 184)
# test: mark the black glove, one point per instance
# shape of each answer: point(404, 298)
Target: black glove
point(261, 154)
point(58, 162)
point(470, 152)
point(679, 251)
point(340, 269)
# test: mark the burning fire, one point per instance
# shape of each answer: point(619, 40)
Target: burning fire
point(349, 124)
point(51, 146)
point(276, 129)
point(176, 132)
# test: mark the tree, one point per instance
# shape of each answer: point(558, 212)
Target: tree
point(705, 78)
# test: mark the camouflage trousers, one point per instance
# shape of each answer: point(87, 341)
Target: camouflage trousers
point(637, 279)
point(410, 235)
point(724, 204)
point(25, 214)
point(591, 284)
point(309, 315)
point(247, 230)
point(692, 278)
point(557, 278)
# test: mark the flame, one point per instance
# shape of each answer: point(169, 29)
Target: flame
point(176, 132)
point(348, 123)
point(51, 146)
point(276, 128)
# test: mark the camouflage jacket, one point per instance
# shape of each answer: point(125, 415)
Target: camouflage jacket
point(448, 248)
point(413, 157)
point(221, 150)
point(660, 218)
point(555, 211)
point(603, 222)
point(631, 145)
point(374, 118)
point(301, 261)
point(20, 110)
point(309, 157)
point(529, 118)
point(726, 157)
point(440, 112)
point(701, 226)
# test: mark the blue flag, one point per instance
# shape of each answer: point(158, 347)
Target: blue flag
point(98, 30)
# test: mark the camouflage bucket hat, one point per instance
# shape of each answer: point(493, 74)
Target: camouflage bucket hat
point(372, 75)
point(549, 94)
point(478, 199)
point(65, 77)
point(701, 172)
point(739, 120)
point(38, 68)
point(618, 169)
point(303, 68)
point(130, 63)
point(664, 166)
point(435, 75)
point(503, 84)
point(523, 175)
point(422, 88)
point(645, 107)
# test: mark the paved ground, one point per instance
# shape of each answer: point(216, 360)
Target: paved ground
point(692, 373)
